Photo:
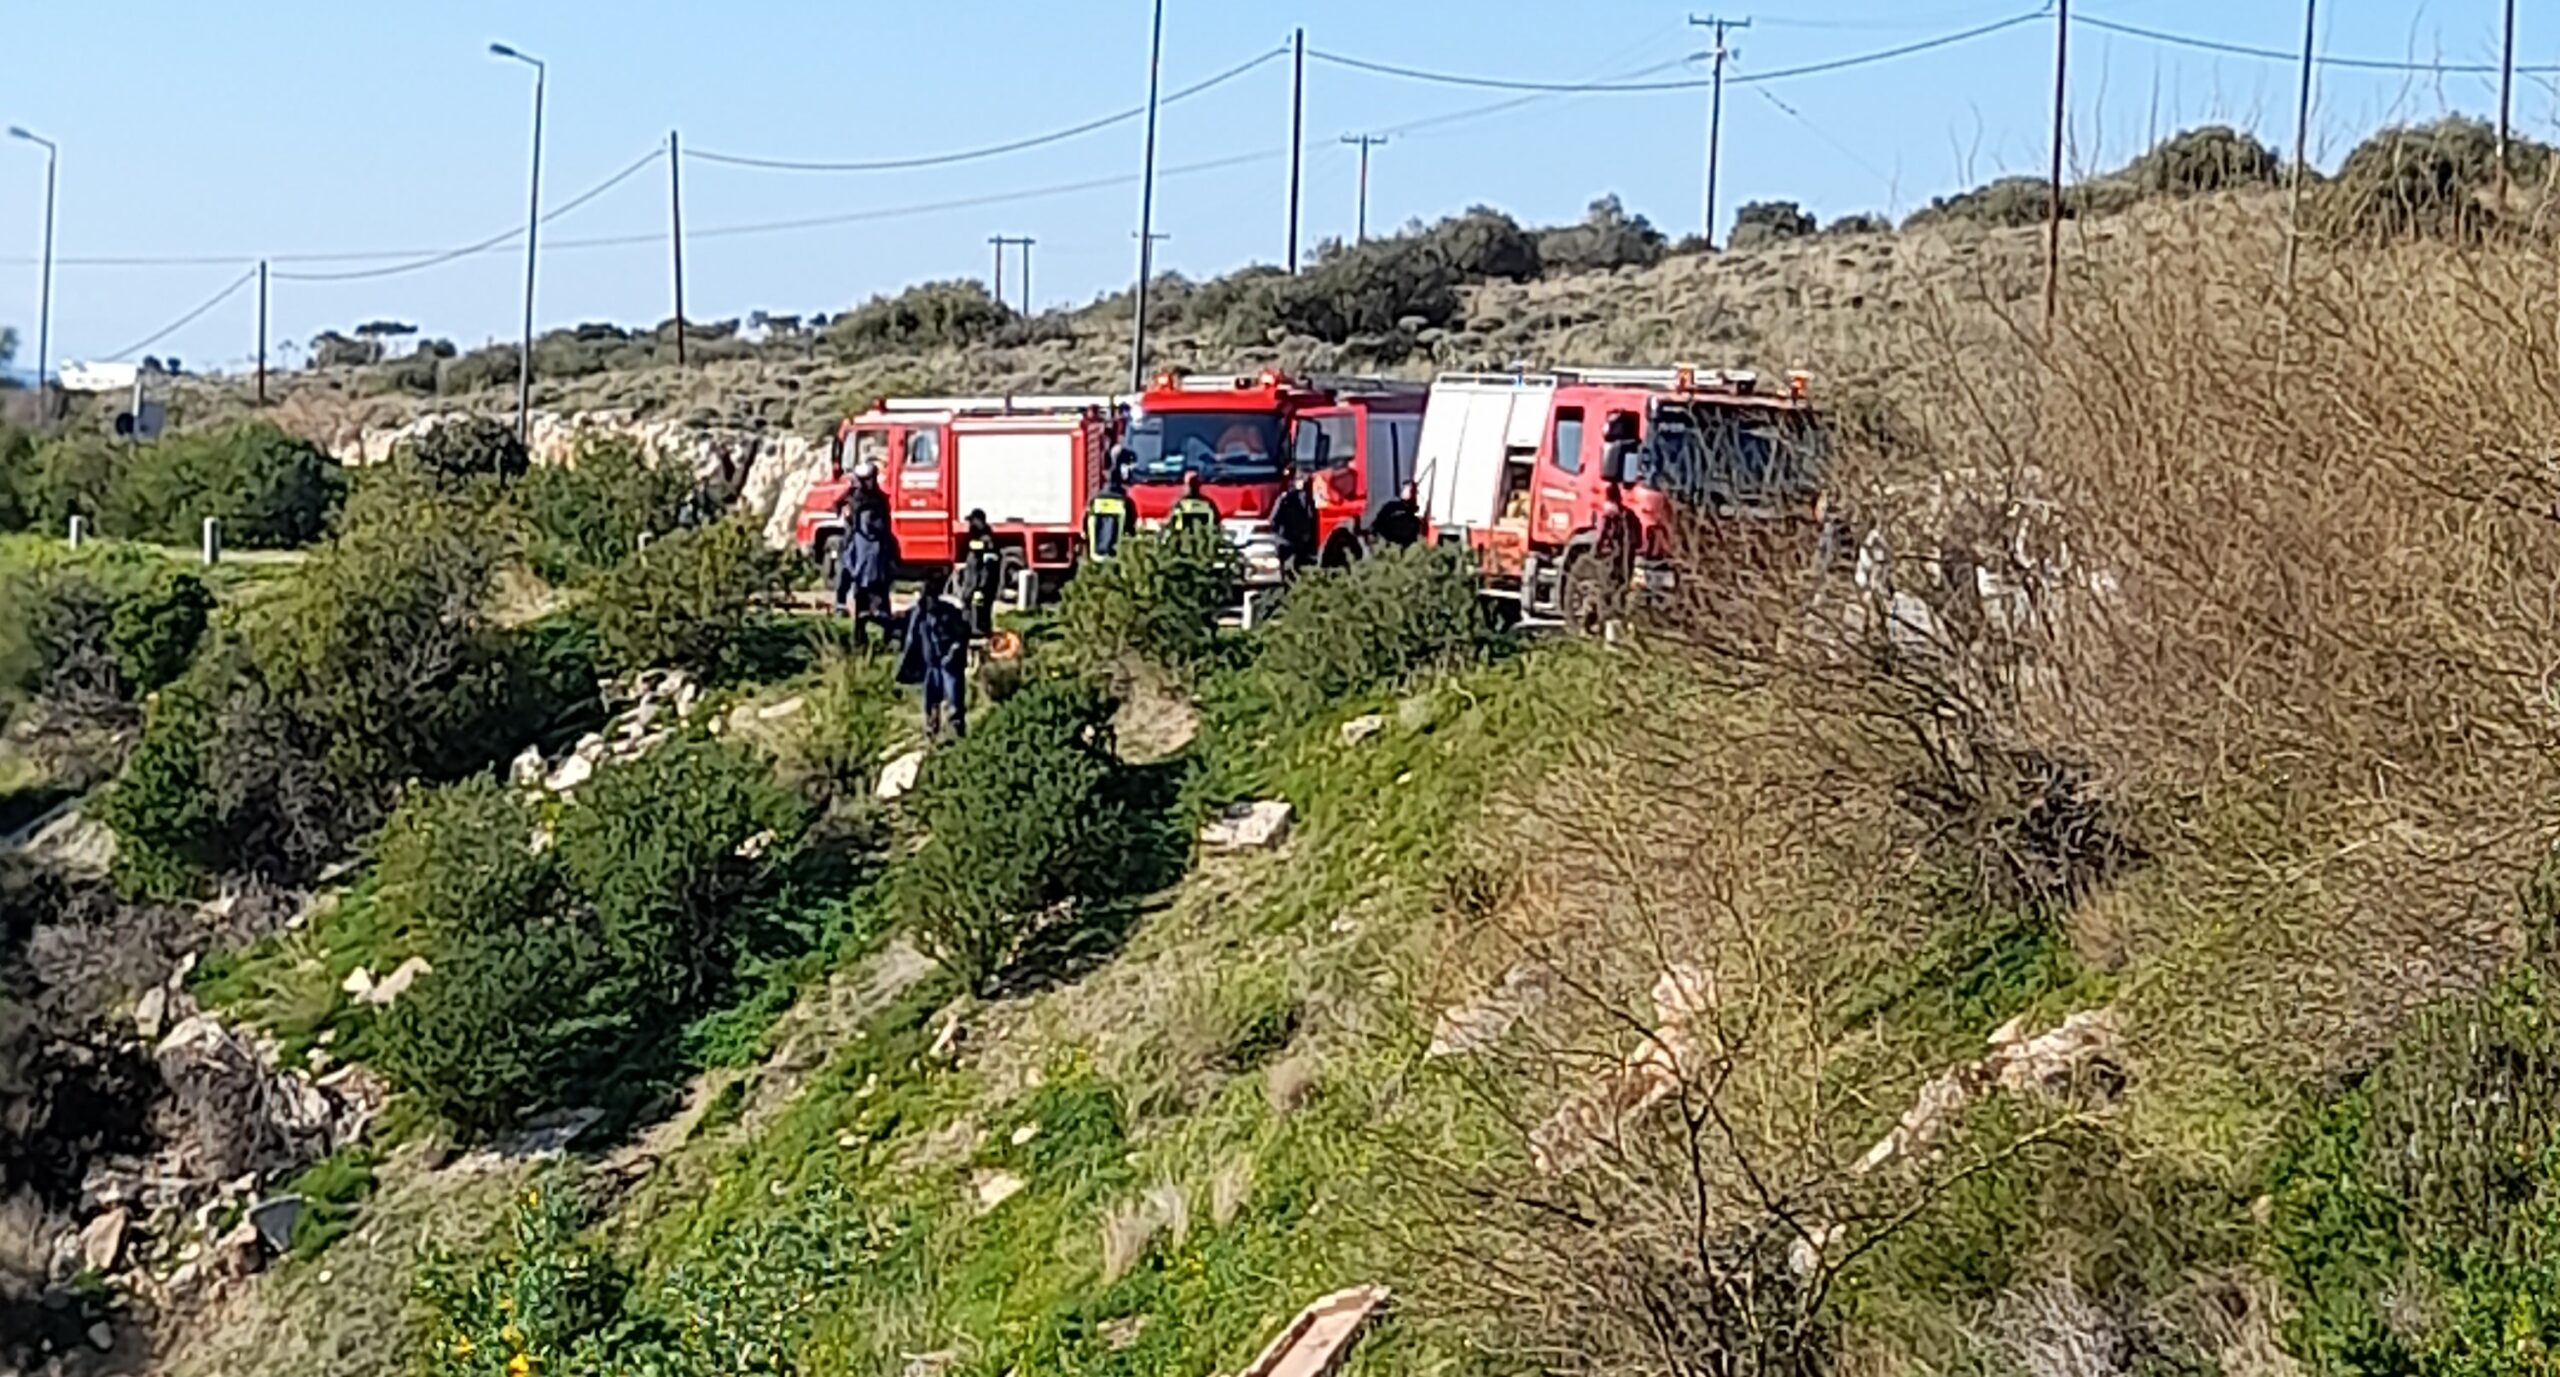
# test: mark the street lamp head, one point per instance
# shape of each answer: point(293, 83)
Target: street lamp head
point(502, 50)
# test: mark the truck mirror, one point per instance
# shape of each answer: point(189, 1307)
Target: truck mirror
point(835, 456)
point(1616, 462)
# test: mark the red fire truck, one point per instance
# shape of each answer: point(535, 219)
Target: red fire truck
point(1030, 463)
point(1359, 436)
point(1517, 466)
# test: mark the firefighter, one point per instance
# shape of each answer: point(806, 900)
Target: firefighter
point(1293, 524)
point(935, 657)
point(870, 552)
point(1109, 514)
point(981, 573)
point(1613, 548)
point(1193, 511)
point(1399, 521)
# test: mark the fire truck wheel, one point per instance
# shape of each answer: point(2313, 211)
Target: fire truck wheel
point(1010, 579)
point(830, 546)
point(1582, 594)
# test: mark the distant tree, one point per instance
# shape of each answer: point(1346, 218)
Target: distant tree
point(329, 349)
point(1860, 222)
point(1762, 223)
point(386, 329)
point(1608, 238)
point(8, 345)
point(2213, 158)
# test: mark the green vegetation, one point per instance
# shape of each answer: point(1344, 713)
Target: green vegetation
point(690, 599)
point(267, 488)
point(1153, 605)
point(586, 517)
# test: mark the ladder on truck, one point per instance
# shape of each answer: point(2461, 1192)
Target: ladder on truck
point(1004, 405)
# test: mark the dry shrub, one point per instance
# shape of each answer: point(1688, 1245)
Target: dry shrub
point(1130, 1230)
point(2233, 606)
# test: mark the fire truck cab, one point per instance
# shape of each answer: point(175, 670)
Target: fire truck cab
point(1030, 463)
point(1517, 467)
point(1243, 435)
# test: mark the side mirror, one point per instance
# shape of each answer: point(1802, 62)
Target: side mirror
point(1617, 462)
point(835, 456)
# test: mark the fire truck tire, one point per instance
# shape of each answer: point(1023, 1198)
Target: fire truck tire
point(1010, 577)
point(1582, 589)
point(828, 548)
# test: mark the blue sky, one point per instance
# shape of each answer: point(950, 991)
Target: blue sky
point(297, 126)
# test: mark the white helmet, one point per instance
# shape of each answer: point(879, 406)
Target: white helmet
point(866, 469)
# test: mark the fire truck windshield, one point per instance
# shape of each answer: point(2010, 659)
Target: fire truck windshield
point(1713, 455)
point(1220, 446)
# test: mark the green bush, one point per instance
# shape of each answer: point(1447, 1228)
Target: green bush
point(659, 852)
point(1376, 291)
point(1022, 815)
point(1155, 603)
point(1378, 621)
point(1857, 222)
point(467, 447)
point(2417, 1219)
point(930, 315)
point(587, 516)
point(545, 1299)
point(1762, 223)
point(2215, 157)
point(2007, 203)
point(267, 488)
point(847, 727)
point(1485, 245)
point(155, 633)
point(17, 461)
point(2429, 179)
point(688, 600)
point(1607, 239)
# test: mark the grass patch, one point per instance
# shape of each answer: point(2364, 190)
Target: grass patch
point(333, 1190)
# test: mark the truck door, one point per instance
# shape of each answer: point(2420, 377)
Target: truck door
point(920, 487)
point(1326, 443)
point(1553, 502)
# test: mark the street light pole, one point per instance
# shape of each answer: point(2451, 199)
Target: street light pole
point(44, 309)
point(532, 226)
point(1364, 142)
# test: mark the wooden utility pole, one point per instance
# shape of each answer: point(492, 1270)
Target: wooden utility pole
point(262, 332)
point(2301, 144)
point(1715, 115)
point(2053, 206)
point(1364, 142)
point(2506, 101)
point(1007, 241)
point(675, 231)
point(1297, 138)
point(1025, 243)
point(1147, 208)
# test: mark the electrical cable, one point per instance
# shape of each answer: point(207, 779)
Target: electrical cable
point(449, 255)
point(188, 319)
point(992, 150)
point(1685, 84)
point(1840, 146)
point(1513, 103)
point(2364, 64)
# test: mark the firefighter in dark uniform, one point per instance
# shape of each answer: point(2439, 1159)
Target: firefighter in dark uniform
point(935, 656)
point(1614, 549)
point(1193, 511)
point(981, 573)
point(1109, 515)
point(1294, 525)
point(1399, 519)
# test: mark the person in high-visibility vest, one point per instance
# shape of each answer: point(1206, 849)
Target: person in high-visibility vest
point(981, 573)
point(1107, 516)
point(1192, 511)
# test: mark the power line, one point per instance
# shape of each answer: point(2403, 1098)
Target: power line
point(2364, 64)
point(213, 260)
point(1685, 84)
point(992, 150)
point(494, 241)
point(189, 318)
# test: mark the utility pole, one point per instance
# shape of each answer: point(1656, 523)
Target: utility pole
point(675, 230)
point(2053, 207)
point(2506, 102)
point(1715, 113)
point(532, 225)
point(1147, 208)
point(262, 332)
point(1364, 142)
point(1297, 137)
point(44, 310)
point(2302, 144)
point(1006, 241)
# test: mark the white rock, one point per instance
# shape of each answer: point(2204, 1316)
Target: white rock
point(993, 1188)
point(1360, 729)
point(686, 697)
point(898, 777)
point(775, 712)
point(1025, 1134)
point(527, 771)
point(570, 773)
point(102, 1337)
point(102, 1241)
point(358, 984)
point(1248, 827)
point(397, 983)
point(150, 1011)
